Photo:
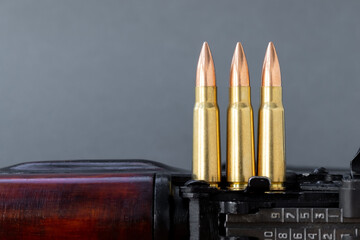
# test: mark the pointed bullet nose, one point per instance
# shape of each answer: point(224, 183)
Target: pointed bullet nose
point(205, 73)
point(271, 75)
point(239, 72)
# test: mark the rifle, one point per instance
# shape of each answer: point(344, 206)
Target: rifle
point(139, 199)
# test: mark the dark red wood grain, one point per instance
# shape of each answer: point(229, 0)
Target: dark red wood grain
point(75, 206)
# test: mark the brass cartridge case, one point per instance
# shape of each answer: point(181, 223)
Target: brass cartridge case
point(206, 136)
point(271, 147)
point(240, 138)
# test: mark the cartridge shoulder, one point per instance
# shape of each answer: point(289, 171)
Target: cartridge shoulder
point(272, 105)
point(205, 105)
point(240, 105)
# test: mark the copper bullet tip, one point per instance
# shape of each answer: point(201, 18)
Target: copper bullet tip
point(205, 73)
point(271, 75)
point(239, 72)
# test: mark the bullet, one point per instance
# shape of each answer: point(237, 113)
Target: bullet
point(206, 132)
point(240, 162)
point(271, 145)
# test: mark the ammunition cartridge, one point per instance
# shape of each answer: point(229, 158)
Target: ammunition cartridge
point(271, 140)
point(240, 129)
point(206, 132)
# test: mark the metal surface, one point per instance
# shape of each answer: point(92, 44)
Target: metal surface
point(309, 208)
point(206, 130)
point(271, 155)
point(271, 145)
point(240, 138)
point(239, 71)
point(240, 155)
point(206, 138)
point(271, 75)
point(205, 72)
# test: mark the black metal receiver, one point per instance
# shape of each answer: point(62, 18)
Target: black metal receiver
point(319, 205)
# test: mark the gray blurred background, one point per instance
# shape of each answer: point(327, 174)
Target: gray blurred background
point(84, 79)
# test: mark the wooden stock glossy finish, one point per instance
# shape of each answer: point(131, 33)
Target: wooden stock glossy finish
point(76, 206)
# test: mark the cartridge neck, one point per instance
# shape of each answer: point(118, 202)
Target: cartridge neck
point(271, 94)
point(239, 94)
point(205, 94)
